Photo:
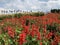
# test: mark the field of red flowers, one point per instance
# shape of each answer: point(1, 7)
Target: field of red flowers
point(31, 30)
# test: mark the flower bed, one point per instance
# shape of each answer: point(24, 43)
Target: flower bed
point(30, 30)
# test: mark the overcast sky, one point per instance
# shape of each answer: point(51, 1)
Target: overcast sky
point(35, 5)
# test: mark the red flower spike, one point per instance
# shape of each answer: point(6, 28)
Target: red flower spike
point(11, 32)
point(22, 37)
point(40, 43)
point(38, 36)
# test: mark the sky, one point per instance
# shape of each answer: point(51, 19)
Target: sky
point(34, 5)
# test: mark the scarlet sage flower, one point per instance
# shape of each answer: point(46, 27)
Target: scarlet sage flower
point(56, 39)
point(38, 36)
point(44, 31)
point(11, 32)
point(40, 43)
point(54, 43)
point(26, 29)
point(48, 36)
point(35, 28)
point(22, 37)
point(32, 33)
point(9, 28)
point(5, 28)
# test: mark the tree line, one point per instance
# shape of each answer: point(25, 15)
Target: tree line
point(55, 11)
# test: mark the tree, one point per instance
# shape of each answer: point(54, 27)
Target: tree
point(55, 10)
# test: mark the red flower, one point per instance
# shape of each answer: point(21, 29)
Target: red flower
point(48, 36)
point(38, 36)
point(26, 29)
point(44, 31)
point(35, 28)
point(22, 37)
point(11, 32)
point(40, 43)
point(54, 43)
point(32, 33)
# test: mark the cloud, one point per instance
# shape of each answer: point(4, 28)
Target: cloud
point(1, 8)
point(42, 5)
point(44, 0)
point(53, 4)
point(33, 7)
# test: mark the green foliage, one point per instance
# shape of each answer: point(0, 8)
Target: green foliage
point(32, 22)
point(52, 28)
point(37, 14)
point(9, 16)
point(2, 17)
point(31, 41)
point(5, 16)
point(18, 15)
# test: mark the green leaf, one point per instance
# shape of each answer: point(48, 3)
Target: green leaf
point(10, 41)
point(0, 43)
